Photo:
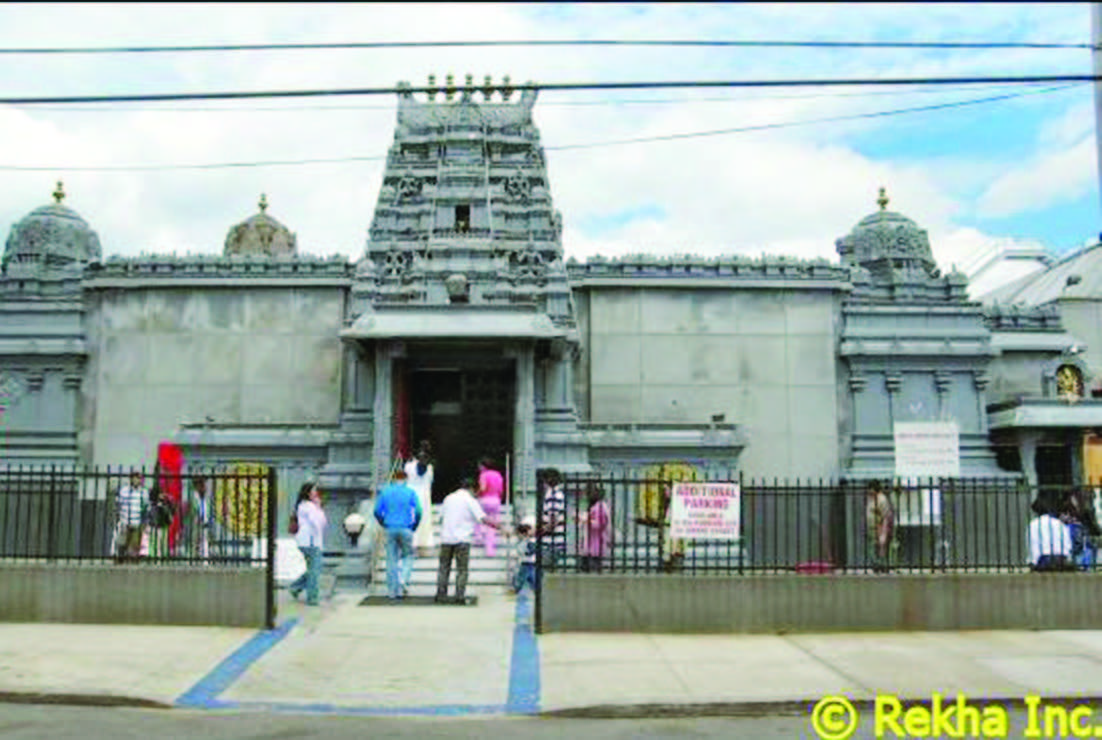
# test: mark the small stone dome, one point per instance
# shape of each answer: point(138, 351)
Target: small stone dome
point(261, 234)
point(887, 239)
point(53, 235)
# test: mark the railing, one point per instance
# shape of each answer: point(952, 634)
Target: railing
point(215, 516)
point(631, 525)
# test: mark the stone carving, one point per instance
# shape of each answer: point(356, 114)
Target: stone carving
point(409, 187)
point(887, 238)
point(53, 235)
point(396, 263)
point(528, 264)
point(458, 288)
point(260, 234)
point(11, 389)
point(1069, 382)
point(518, 187)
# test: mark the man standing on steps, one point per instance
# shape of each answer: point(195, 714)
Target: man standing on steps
point(460, 514)
point(398, 512)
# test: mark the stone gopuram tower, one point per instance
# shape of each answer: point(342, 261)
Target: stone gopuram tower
point(461, 328)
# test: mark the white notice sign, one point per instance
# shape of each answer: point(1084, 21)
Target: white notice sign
point(705, 511)
point(927, 449)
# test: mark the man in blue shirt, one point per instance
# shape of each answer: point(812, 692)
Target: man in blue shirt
point(398, 512)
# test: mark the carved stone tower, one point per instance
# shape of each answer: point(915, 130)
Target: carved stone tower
point(461, 327)
point(917, 349)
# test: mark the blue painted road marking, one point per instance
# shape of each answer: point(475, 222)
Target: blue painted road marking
point(524, 668)
point(204, 694)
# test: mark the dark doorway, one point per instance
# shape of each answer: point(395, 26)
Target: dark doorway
point(466, 414)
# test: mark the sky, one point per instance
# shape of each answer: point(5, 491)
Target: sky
point(1020, 171)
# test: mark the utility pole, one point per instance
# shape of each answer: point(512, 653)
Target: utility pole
point(1096, 64)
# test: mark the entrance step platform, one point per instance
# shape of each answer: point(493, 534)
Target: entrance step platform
point(481, 570)
point(412, 600)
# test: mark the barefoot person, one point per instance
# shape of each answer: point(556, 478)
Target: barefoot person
point(491, 488)
point(419, 474)
point(460, 514)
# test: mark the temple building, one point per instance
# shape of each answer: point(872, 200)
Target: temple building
point(463, 324)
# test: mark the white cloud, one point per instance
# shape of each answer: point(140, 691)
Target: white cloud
point(1047, 179)
point(790, 191)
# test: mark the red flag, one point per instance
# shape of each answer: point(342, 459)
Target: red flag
point(170, 458)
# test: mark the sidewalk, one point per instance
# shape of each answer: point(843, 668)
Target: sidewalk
point(446, 660)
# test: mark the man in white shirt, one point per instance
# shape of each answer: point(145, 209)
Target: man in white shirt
point(131, 507)
point(1049, 541)
point(460, 514)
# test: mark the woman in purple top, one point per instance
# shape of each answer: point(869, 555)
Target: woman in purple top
point(491, 487)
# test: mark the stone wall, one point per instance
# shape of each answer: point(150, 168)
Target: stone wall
point(166, 355)
point(133, 594)
point(762, 358)
point(816, 603)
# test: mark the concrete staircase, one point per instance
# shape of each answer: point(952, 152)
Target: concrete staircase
point(483, 571)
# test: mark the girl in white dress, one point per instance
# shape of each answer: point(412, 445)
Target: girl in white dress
point(419, 478)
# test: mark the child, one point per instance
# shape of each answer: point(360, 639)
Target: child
point(526, 557)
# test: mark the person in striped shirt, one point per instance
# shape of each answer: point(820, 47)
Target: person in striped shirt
point(552, 520)
point(131, 507)
point(1049, 539)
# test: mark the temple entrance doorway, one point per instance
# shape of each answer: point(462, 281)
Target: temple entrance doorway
point(465, 411)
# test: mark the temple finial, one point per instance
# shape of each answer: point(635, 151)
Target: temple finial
point(59, 193)
point(882, 200)
point(263, 203)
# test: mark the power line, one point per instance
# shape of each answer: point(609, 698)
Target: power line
point(549, 103)
point(704, 43)
point(556, 86)
point(807, 122)
point(565, 147)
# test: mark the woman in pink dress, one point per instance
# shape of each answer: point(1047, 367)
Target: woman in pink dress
point(491, 488)
point(596, 525)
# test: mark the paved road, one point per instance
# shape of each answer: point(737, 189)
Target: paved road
point(23, 722)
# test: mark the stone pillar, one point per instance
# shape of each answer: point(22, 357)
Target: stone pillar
point(1027, 450)
point(524, 438)
point(942, 383)
point(385, 353)
point(893, 383)
point(349, 391)
point(981, 381)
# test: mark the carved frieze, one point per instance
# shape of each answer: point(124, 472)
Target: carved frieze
point(409, 187)
point(518, 187)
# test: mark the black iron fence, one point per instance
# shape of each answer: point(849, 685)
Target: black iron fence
point(612, 524)
point(213, 516)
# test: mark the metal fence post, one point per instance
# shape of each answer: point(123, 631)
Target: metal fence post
point(537, 615)
point(270, 507)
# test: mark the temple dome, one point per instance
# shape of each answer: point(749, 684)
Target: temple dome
point(52, 235)
point(260, 234)
point(887, 239)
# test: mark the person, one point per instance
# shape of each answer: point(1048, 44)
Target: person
point(460, 514)
point(419, 475)
point(1049, 539)
point(879, 526)
point(131, 509)
point(491, 488)
point(1083, 526)
point(198, 516)
point(310, 541)
point(552, 526)
point(596, 525)
point(526, 556)
point(398, 512)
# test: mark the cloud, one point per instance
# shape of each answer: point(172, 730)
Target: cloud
point(1049, 178)
point(787, 191)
